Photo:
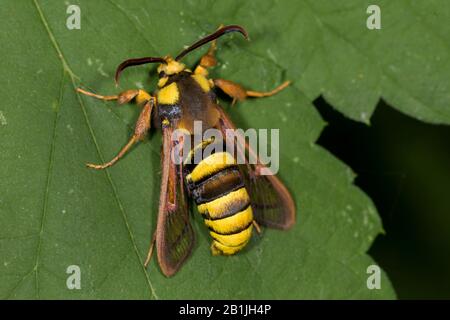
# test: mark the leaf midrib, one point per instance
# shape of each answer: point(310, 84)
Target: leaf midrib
point(72, 76)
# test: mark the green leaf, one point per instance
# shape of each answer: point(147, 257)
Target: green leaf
point(331, 52)
point(56, 213)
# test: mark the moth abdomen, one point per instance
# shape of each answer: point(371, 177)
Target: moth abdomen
point(217, 188)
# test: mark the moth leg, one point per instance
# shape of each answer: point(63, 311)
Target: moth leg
point(208, 60)
point(239, 93)
point(141, 128)
point(257, 227)
point(150, 251)
point(139, 95)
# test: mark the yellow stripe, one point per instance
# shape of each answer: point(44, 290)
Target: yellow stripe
point(210, 165)
point(217, 248)
point(217, 207)
point(162, 82)
point(169, 94)
point(232, 223)
point(233, 240)
point(201, 145)
point(202, 81)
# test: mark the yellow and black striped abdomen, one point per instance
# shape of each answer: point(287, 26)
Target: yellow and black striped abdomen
point(219, 192)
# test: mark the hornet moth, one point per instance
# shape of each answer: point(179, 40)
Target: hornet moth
point(232, 198)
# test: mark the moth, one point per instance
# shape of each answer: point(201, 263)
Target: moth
point(233, 198)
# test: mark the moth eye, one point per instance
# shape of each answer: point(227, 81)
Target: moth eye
point(162, 74)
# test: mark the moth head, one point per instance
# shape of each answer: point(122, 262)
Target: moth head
point(169, 66)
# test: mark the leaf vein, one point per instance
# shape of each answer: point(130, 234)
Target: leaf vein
point(119, 203)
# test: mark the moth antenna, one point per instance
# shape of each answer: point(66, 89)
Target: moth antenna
point(213, 36)
point(135, 62)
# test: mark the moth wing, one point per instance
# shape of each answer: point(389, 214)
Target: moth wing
point(174, 234)
point(271, 202)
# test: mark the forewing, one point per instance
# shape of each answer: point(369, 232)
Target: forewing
point(174, 235)
point(271, 202)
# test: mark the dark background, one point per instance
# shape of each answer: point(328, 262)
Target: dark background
point(404, 166)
